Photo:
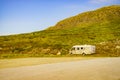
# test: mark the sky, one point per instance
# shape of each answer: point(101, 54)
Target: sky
point(24, 16)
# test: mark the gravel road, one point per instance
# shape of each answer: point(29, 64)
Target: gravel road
point(95, 69)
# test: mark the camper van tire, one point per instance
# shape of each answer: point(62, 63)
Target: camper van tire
point(83, 54)
point(71, 53)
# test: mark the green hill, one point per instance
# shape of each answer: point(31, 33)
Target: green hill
point(100, 27)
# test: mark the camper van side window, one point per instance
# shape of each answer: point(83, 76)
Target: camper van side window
point(81, 47)
point(78, 48)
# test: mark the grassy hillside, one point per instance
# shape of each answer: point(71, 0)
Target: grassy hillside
point(100, 27)
point(100, 16)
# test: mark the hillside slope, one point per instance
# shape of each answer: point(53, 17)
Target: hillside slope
point(102, 15)
point(100, 27)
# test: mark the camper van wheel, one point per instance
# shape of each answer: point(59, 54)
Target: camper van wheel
point(71, 53)
point(83, 54)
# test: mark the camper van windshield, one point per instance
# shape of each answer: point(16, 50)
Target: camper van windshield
point(73, 48)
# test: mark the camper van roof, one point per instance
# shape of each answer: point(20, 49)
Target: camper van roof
point(82, 45)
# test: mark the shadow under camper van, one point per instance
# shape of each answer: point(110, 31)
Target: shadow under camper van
point(82, 49)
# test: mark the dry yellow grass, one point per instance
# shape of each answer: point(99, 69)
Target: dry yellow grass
point(11, 63)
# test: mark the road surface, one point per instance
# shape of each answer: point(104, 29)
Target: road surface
point(95, 69)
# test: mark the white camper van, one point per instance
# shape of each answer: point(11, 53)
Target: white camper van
point(82, 49)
